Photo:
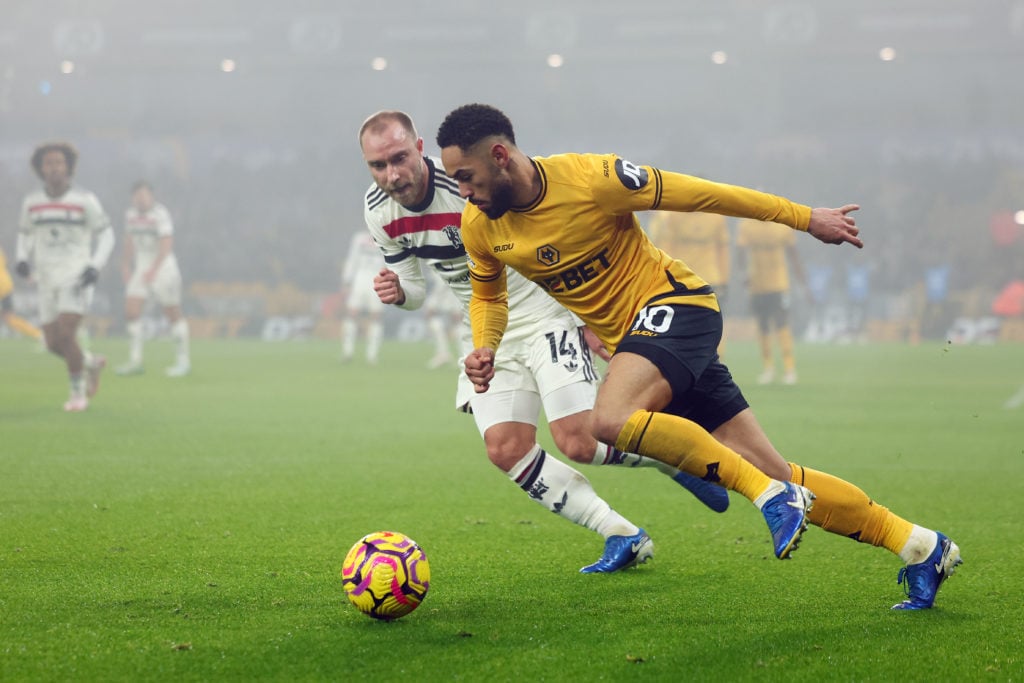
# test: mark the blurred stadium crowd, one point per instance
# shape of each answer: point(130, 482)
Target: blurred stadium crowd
point(256, 157)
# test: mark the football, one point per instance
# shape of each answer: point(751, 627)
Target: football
point(385, 575)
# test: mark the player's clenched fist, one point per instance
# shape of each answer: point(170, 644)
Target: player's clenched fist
point(388, 287)
point(480, 368)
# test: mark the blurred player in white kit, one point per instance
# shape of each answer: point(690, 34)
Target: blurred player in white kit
point(56, 231)
point(443, 314)
point(361, 307)
point(150, 269)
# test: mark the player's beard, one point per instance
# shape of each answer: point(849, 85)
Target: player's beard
point(502, 197)
point(411, 193)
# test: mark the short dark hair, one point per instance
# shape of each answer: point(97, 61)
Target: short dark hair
point(471, 123)
point(65, 148)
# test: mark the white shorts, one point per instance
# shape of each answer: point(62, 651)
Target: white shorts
point(362, 298)
point(550, 368)
point(165, 288)
point(67, 298)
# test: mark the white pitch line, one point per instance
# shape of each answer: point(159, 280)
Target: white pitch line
point(1015, 401)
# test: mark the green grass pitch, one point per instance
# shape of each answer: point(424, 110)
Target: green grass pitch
point(193, 530)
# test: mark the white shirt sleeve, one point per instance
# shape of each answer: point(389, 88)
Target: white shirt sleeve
point(401, 262)
point(165, 226)
point(99, 224)
point(104, 247)
point(348, 269)
point(414, 284)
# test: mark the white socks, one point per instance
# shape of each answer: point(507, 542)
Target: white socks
point(77, 384)
point(774, 489)
point(179, 333)
point(567, 493)
point(919, 546)
point(436, 326)
point(349, 329)
point(134, 329)
point(610, 455)
point(374, 333)
point(349, 333)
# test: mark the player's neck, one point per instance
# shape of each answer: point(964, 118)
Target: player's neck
point(525, 180)
point(58, 190)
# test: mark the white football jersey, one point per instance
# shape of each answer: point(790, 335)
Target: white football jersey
point(432, 233)
point(362, 262)
point(60, 231)
point(144, 229)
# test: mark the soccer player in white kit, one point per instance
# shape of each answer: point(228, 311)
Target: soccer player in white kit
point(443, 314)
point(56, 231)
point(150, 269)
point(360, 303)
point(413, 211)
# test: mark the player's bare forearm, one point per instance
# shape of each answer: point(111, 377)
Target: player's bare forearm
point(835, 226)
point(479, 366)
point(388, 287)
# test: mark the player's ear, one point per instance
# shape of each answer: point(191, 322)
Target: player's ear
point(500, 154)
point(419, 145)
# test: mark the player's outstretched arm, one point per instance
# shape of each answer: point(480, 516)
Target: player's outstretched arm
point(480, 368)
point(835, 226)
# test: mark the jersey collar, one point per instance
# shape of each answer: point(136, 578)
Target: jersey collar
point(540, 195)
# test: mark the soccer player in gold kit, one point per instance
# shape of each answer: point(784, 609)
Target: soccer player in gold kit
point(7, 314)
point(767, 252)
point(702, 237)
point(567, 222)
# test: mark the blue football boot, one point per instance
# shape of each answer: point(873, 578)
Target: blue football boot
point(621, 552)
point(921, 581)
point(786, 514)
point(711, 494)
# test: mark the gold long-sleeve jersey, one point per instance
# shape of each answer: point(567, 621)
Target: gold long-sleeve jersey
point(580, 241)
point(701, 240)
point(766, 244)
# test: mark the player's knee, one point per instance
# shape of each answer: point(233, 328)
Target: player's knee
point(506, 453)
point(503, 458)
point(579, 447)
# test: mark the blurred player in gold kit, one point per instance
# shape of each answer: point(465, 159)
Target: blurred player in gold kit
point(701, 240)
point(767, 251)
point(10, 318)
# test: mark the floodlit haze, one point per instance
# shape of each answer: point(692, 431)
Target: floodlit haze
point(244, 113)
